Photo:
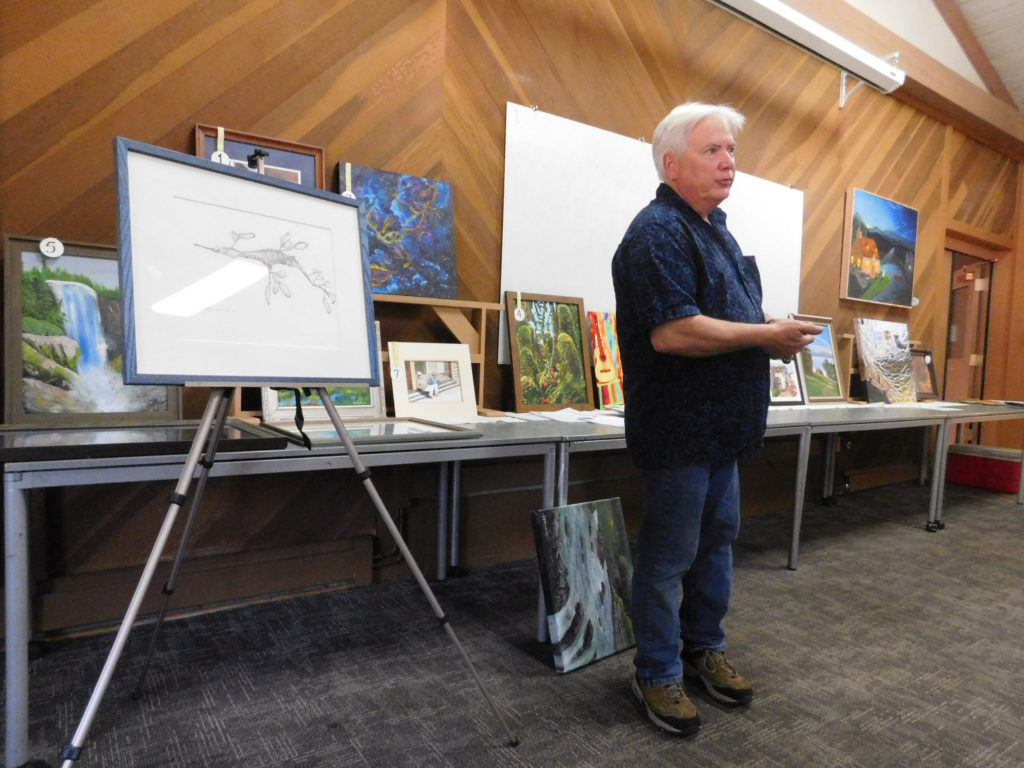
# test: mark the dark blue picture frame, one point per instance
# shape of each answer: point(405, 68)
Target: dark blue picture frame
point(208, 185)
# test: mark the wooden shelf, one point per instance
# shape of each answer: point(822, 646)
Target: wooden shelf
point(467, 321)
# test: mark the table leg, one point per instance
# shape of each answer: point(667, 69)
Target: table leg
point(442, 521)
point(803, 456)
point(17, 622)
point(547, 500)
point(938, 478)
point(453, 524)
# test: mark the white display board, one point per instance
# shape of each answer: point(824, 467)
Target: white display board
point(572, 189)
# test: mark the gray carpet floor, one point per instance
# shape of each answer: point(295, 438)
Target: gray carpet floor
point(890, 646)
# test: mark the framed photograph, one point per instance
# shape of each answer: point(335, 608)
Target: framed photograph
point(431, 381)
point(787, 385)
point(883, 354)
point(64, 340)
point(285, 160)
point(879, 249)
point(409, 232)
point(819, 363)
point(230, 278)
point(550, 352)
point(381, 429)
point(604, 340)
point(922, 367)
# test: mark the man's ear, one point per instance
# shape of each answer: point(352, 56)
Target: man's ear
point(668, 162)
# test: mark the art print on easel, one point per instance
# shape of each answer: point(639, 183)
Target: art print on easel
point(879, 250)
point(235, 278)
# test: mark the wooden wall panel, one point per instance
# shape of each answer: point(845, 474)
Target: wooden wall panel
point(621, 65)
point(421, 86)
point(982, 186)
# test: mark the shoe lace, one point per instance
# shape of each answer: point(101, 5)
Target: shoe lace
point(717, 660)
point(675, 692)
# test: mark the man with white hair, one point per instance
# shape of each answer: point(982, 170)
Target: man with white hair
point(695, 347)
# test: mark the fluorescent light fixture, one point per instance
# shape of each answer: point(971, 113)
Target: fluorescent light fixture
point(777, 17)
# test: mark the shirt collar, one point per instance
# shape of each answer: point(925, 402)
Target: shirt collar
point(666, 194)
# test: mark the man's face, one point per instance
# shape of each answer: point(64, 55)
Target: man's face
point(702, 174)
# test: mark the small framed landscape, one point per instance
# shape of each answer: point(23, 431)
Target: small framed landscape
point(285, 160)
point(819, 363)
point(550, 349)
point(63, 340)
point(431, 381)
point(230, 278)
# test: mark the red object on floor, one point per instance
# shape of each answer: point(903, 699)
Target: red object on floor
point(995, 468)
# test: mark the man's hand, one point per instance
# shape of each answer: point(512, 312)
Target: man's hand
point(787, 337)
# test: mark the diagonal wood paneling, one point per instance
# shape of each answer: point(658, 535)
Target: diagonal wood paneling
point(420, 86)
point(622, 65)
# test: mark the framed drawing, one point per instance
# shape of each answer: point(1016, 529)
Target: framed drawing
point(230, 278)
point(787, 386)
point(431, 381)
point(381, 429)
point(819, 363)
point(883, 353)
point(879, 249)
point(63, 340)
point(604, 340)
point(585, 574)
point(922, 366)
point(297, 163)
point(550, 352)
point(409, 233)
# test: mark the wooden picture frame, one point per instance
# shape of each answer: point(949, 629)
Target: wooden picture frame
point(819, 363)
point(879, 250)
point(286, 160)
point(786, 383)
point(431, 381)
point(549, 340)
point(63, 340)
point(231, 278)
point(922, 367)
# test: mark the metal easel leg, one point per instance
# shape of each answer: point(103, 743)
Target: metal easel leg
point(364, 475)
point(71, 752)
point(206, 463)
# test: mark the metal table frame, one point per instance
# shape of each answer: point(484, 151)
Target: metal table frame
point(21, 477)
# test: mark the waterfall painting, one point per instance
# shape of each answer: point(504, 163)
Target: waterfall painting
point(63, 341)
point(585, 573)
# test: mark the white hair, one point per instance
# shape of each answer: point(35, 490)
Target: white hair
point(673, 132)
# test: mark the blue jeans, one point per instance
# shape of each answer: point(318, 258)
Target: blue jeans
point(691, 518)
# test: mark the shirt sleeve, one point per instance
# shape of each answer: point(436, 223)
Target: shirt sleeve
point(664, 276)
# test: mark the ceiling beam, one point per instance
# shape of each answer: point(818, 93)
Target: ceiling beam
point(964, 35)
point(930, 87)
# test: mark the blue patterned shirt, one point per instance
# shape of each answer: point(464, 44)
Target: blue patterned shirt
point(687, 410)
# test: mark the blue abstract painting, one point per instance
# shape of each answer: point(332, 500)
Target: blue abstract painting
point(409, 233)
point(586, 572)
